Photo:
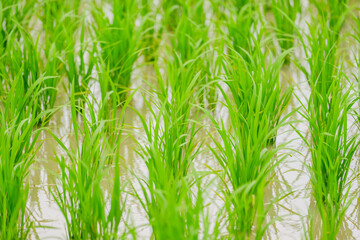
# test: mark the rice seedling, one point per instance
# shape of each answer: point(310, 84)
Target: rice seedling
point(191, 33)
point(239, 24)
point(239, 4)
point(119, 40)
point(172, 10)
point(59, 21)
point(198, 50)
point(190, 44)
point(13, 12)
point(152, 30)
point(23, 59)
point(334, 11)
point(18, 136)
point(244, 153)
point(357, 57)
point(80, 197)
point(285, 13)
point(252, 74)
point(172, 207)
point(332, 149)
point(332, 146)
point(80, 74)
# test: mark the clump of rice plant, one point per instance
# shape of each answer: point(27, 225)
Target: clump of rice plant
point(240, 24)
point(190, 33)
point(191, 47)
point(331, 145)
point(258, 76)
point(285, 13)
point(151, 31)
point(23, 61)
point(247, 151)
point(119, 40)
point(356, 36)
point(79, 73)
point(332, 149)
point(80, 196)
point(172, 10)
point(334, 12)
point(239, 4)
point(18, 136)
point(12, 13)
point(172, 206)
point(59, 21)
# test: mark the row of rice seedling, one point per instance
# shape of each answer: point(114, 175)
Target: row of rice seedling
point(210, 48)
point(285, 14)
point(89, 210)
point(169, 195)
point(247, 151)
point(18, 136)
point(328, 111)
point(119, 40)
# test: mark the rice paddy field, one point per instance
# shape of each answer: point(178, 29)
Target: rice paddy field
point(180, 119)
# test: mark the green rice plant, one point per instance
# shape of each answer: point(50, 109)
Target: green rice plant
point(59, 22)
point(79, 73)
point(239, 24)
point(80, 197)
point(18, 137)
point(172, 11)
point(322, 60)
point(241, 3)
point(191, 47)
point(332, 149)
point(333, 11)
point(119, 41)
point(151, 31)
point(172, 207)
point(248, 166)
point(331, 145)
point(191, 32)
point(13, 12)
point(357, 57)
point(23, 59)
point(247, 151)
point(285, 13)
point(259, 75)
